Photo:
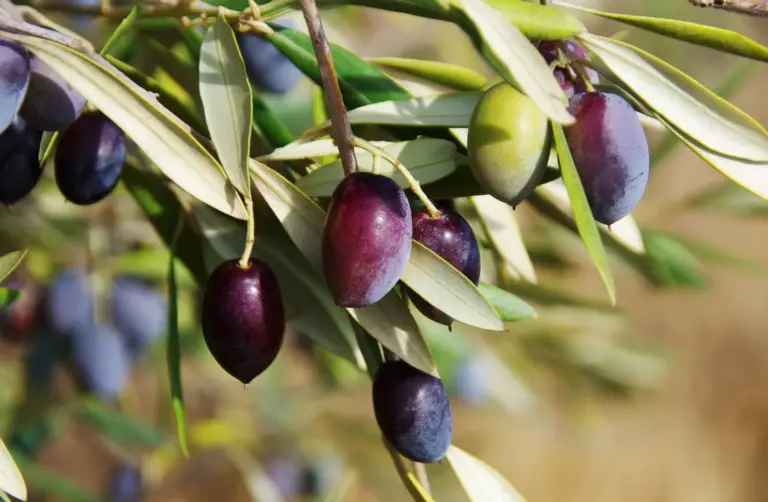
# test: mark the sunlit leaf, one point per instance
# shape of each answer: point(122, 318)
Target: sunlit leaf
point(500, 225)
point(11, 480)
point(226, 96)
point(716, 124)
point(433, 278)
point(582, 213)
point(447, 74)
point(9, 262)
point(673, 263)
point(8, 296)
point(481, 482)
point(164, 139)
point(516, 59)
point(445, 110)
point(427, 160)
point(699, 34)
point(509, 307)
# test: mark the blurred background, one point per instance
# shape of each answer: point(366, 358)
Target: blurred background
point(662, 398)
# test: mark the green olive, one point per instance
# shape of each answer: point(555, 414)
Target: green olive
point(509, 142)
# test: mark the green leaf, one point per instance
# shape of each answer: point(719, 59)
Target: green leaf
point(361, 82)
point(125, 26)
point(708, 36)
point(516, 59)
point(436, 281)
point(173, 348)
point(120, 427)
point(510, 307)
point(11, 480)
point(447, 74)
point(9, 262)
point(427, 160)
point(582, 213)
point(539, 22)
point(441, 110)
point(481, 482)
point(319, 317)
point(163, 138)
point(729, 198)
point(751, 176)
point(389, 320)
point(150, 263)
point(163, 210)
point(736, 135)
point(226, 96)
point(7, 297)
point(500, 224)
point(673, 263)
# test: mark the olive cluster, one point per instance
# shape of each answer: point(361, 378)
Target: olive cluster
point(33, 100)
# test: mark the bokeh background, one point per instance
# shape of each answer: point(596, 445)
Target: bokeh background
point(663, 398)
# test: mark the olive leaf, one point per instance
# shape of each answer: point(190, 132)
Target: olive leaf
point(736, 135)
point(226, 95)
point(510, 307)
point(516, 59)
point(165, 139)
point(699, 34)
point(427, 160)
point(440, 110)
point(481, 482)
point(500, 225)
point(9, 262)
point(11, 480)
point(582, 213)
point(447, 74)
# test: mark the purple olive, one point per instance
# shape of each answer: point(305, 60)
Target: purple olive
point(14, 80)
point(451, 237)
point(51, 104)
point(610, 152)
point(366, 239)
point(242, 318)
point(412, 411)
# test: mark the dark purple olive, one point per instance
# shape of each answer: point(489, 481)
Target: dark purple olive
point(366, 239)
point(610, 151)
point(242, 317)
point(19, 165)
point(51, 104)
point(451, 237)
point(14, 80)
point(412, 411)
point(89, 159)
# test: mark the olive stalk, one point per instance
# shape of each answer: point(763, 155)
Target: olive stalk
point(250, 235)
point(341, 131)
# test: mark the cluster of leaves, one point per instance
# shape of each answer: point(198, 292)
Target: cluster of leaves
point(403, 105)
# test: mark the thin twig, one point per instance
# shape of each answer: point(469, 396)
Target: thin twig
point(748, 7)
point(420, 470)
point(406, 476)
point(341, 130)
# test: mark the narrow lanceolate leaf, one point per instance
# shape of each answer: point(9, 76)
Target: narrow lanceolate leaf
point(226, 96)
point(480, 481)
point(447, 74)
point(164, 139)
point(173, 349)
point(516, 59)
point(716, 124)
point(582, 213)
point(510, 307)
point(432, 277)
point(9, 262)
point(751, 176)
point(624, 231)
point(11, 481)
point(427, 160)
point(500, 225)
point(389, 320)
point(440, 110)
point(708, 36)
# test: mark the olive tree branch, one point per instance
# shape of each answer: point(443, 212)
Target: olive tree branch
point(748, 7)
point(341, 131)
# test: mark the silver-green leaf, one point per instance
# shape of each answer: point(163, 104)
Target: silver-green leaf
point(439, 110)
point(9, 262)
point(226, 96)
point(481, 482)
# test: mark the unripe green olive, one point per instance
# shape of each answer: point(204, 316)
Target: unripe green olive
point(509, 142)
